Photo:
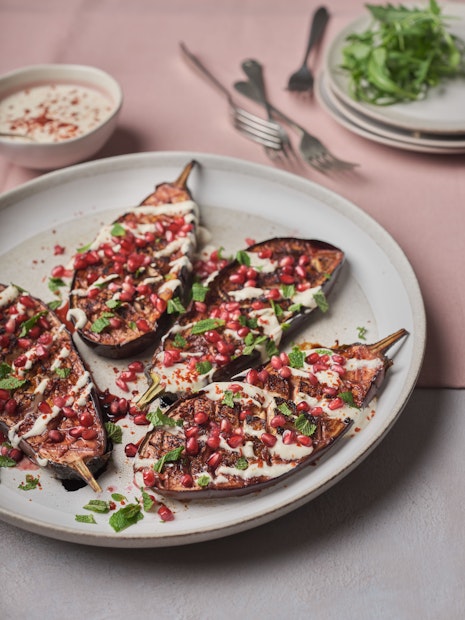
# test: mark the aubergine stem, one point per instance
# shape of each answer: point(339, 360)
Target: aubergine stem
point(386, 343)
point(181, 181)
point(152, 392)
point(84, 472)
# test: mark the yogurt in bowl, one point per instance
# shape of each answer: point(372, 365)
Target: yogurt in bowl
point(56, 115)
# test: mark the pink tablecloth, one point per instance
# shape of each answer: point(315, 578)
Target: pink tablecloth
point(418, 198)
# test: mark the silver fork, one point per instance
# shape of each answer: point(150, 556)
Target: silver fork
point(250, 125)
point(313, 151)
point(302, 80)
point(254, 71)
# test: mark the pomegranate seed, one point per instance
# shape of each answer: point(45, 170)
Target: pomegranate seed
point(286, 261)
point(187, 481)
point(212, 336)
point(300, 271)
point(286, 278)
point(128, 375)
point(15, 454)
point(303, 286)
point(244, 414)
point(76, 432)
point(303, 406)
point(268, 439)
point(222, 359)
point(237, 278)
point(303, 260)
point(313, 378)
point(316, 411)
point(149, 477)
point(130, 450)
point(45, 339)
point(276, 362)
point(141, 419)
point(312, 358)
point(143, 325)
point(68, 412)
point(191, 431)
point(339, 359)
point(44, 407)
point(338, 369)
point(258, 305)
point(285, 372)
point(320, 367)
point(4, 394)
point(165, 513)
point(10, 406)
point(243, 331)
point(289, 437)
point(329, 391)
point(24, 343)
point(58, 271)
point(263, 375)
point(192, 446)
point(122, 385)
point(200, 417)
point(214, 459)
point(337, 403)
point(115, 322)
point(55, 436)
point(213, 442)
point(235, 387)
point(235, 441)
point(89, 433)
point(58, 249)
point(278, 420)
point(20, 361)
point(86, 419)
point(265, 253)
point(226, 426)
point(252, 377)
point(123, 406)
point(304, 440)
point(136, 366)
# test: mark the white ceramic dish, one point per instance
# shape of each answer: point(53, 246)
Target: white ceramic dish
point(375, 131)
point(441, 112)
point(237, 200)
point(52, 155)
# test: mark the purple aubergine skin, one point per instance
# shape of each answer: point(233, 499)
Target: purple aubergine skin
point(60, 469)
point(128, 345)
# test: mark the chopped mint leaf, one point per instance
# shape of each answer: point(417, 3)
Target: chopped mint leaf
point(199, 291)
point(147, 501)
point(11, 383)
point(242, 463)
point(97, 505)
point(362, 331)
point(348, 398)
point(243, 258)
point(207, 325)
point(85, 518)
point(304, 426)
point(170, 457)
point(118, 230)
point(114, 432)
point(296, 358)
point(179, 341)
point(321, 301)
point(158, 418)
point(203, 367)
point(29, 324)
point(285, 409)
point(5, 461)
point(175, 306)
point(113, 304)
point(55, 283)
point(30, 483)
point(125, 517)
point(101, 323)
point(203, 480)
point(288, 291)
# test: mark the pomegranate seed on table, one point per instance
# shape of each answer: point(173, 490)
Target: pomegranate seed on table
point(165, 513)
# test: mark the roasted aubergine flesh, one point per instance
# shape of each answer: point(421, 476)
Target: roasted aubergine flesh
point(125, 280)
point(237, 436)
point(267, 291)
point(49, 407)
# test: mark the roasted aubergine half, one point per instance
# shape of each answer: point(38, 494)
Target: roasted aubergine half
point(125, 280)
point(49, 407)
point(238, 320)
point(239, 436)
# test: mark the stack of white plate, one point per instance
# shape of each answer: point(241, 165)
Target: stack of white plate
point(435, 124)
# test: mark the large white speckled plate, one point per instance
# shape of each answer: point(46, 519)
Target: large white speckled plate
point(377, 290)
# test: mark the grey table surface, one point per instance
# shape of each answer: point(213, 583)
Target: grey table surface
point(386, 542)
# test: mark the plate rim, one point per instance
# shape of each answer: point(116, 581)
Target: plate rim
point(326, 99)
point(289, 180)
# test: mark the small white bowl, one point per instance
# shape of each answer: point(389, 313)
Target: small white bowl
point(42, 155)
